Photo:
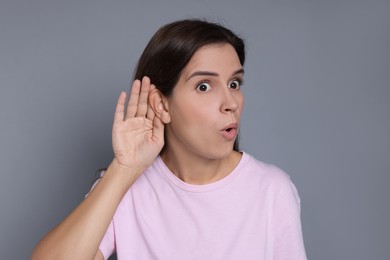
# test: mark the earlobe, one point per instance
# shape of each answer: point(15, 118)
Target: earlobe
point(158, 103)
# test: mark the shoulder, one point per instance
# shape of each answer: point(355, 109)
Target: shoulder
point(264, 171)
point(268, 176)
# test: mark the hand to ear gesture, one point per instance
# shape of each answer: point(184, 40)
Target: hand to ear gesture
point(138, 134)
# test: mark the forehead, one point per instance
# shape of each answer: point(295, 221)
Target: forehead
point(216, 58)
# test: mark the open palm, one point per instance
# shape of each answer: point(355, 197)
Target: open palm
point(138, 134)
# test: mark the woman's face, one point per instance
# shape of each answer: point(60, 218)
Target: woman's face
point(206, 104)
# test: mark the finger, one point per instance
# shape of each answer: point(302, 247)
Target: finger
point(143, 97)
point(158, 129)
point(150, 113)
point(120, 108)
point(133, 100)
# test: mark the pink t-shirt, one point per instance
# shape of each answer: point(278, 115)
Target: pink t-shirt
point(253, 213)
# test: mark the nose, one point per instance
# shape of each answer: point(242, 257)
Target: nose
point(229, 101)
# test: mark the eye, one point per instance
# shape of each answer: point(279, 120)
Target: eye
point(235, 84)
point(203, 87)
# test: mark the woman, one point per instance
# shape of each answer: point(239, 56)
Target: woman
point(178, 186)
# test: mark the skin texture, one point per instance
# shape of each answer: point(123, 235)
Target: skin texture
point(206, 100)
point(198, 150)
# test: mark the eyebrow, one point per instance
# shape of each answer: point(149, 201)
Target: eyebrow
point(210, 73)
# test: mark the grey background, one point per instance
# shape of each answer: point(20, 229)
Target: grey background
point(317, 105)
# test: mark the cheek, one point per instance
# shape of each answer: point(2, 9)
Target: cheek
point(240, 101)
point(191, 125)
point(191, 112)
point(201, 112)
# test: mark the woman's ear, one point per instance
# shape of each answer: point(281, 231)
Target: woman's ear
point(159, 103)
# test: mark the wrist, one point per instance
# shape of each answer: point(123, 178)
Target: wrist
point(126, 173)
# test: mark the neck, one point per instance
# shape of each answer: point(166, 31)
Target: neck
point(195, 169)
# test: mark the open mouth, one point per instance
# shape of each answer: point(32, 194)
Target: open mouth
point(231, 127)
point(230, 132)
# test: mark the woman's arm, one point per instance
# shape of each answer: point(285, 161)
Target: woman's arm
point(79, 235)
point(137, 140)
point(99, 256)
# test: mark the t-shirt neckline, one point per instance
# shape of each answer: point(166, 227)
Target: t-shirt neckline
point(172, 178)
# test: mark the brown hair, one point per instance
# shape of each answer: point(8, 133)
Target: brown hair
point(172, 47)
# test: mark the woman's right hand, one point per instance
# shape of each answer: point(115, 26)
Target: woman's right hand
point(138, 134)
point(137, 138)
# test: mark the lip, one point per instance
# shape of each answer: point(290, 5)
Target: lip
point(230, 131)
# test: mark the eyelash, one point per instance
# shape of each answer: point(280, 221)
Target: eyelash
point(200, 83)
point(239, 81)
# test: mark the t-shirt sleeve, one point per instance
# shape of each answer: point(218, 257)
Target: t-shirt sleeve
point(107, 246)
point(288, 231)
